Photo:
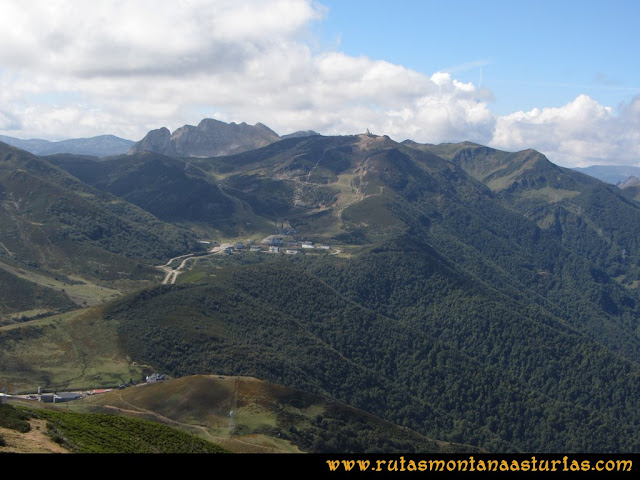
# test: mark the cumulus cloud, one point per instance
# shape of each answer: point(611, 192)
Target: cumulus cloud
point(583, 132)
point(118, 37)
point(154, 63)
point(72, 68)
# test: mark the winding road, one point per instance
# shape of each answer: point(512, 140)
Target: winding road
point(173, 272)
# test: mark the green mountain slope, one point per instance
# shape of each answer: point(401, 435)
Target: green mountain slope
point(402, 334)
point(485, 297)
point(72, 350)
point(564, 236)
point(21, 297)
point(106, 433)
point(249, 415)
point(54, 228)
point(585, 215)
point(169, 188)
point(46, 210)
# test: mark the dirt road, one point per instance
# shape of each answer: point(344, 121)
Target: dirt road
point(173, 272)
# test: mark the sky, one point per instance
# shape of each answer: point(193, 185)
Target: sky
point(561, 76)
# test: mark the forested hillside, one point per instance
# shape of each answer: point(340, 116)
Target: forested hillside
point(401, 334)
point(476, 296)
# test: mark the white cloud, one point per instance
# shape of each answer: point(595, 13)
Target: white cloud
point(154, 63)
point(580, 133)
point(121, 37)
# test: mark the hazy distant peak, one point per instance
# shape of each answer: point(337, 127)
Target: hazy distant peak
point(632, 181)
point(613, 174)
point(99, 146)
point(301, 133)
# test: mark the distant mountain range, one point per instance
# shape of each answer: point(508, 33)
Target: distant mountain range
point(100, 146)
point(613, 174)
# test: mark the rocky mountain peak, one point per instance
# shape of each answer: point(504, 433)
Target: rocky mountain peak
point(631, 181)
point(211, 138)
point(158, 140)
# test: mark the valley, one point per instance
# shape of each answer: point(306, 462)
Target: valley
point(360, 294)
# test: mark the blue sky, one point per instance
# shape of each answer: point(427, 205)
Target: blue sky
point(561, 77)
point(529, 53)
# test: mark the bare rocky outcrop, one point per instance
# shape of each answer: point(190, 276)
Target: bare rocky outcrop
point(158, 140)
point(211, 138)
point(631, 181)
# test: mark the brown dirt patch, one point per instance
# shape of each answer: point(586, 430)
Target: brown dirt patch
point(34, 441)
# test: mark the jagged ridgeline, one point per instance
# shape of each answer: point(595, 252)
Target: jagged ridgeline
point(481, 297)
